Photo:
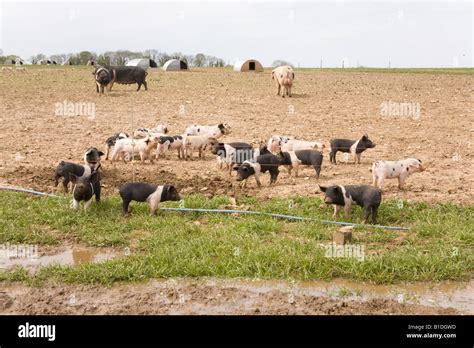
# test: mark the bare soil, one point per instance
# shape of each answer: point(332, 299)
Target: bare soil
point(194, 297)
point(325, 105)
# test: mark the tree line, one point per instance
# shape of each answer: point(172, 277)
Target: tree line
point(121, 57)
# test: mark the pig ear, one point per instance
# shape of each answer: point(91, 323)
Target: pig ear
point(322, 188)
point(419, 160)
point(236, 168)
point(364, 137)
point(73, 178)
point(171, 188)
point(101, 153)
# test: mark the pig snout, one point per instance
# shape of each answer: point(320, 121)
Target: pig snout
point(327, 200)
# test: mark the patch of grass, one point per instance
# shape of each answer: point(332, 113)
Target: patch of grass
point(439, 245)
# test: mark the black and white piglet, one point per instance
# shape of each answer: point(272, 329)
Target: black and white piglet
point(293, 159)
point(167, 143)
point(231, 153)
point(66, 169)
point(354, 147)
point(264, 163)
point(92, 158)
point(85, 187)
point(366, 196)
point(143, 192)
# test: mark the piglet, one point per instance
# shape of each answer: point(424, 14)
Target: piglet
point(401, 170)
point(84, 189)
point(354, 147)
point(264, 163)
point(143, 192)
point(366, 196)
point(293, 159)
point(64, 169)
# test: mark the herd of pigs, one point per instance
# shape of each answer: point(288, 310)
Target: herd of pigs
point(245, 158)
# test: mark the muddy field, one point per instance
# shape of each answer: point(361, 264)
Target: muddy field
point(325, 105)
point(226, 297)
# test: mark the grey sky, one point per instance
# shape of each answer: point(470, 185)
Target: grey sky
point(427, 34)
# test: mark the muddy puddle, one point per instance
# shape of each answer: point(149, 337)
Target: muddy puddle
point(32, 261)
point(446, 294)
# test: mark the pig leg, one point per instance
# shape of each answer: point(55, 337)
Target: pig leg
point(289, 170)
point(97, 191)
point(337, 208)
point(128, 157)
point(289, 92)
point(154, 203)
point(87, 204)
point(358, 155)
point(273, 175)
point(367, 210)
point(139, 85)
point(317, 168)
point(56, 179)
point(187, 154)
point(158, 151)
point(257, 179)
point(374, 214)
point(110, 85)
point(146, 87)
point(379, 183)
point(74, 204)
point(278, 90)
point(374, 179)
point(114, 154)
point(347, 208)
point(65, 184)
point(401, 182)
point(107, 152)
point(125, 208)
point(332, 156)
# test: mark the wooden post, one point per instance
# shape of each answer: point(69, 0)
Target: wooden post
point(343, 236)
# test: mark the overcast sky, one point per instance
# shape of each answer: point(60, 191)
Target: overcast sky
point(421, 34)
